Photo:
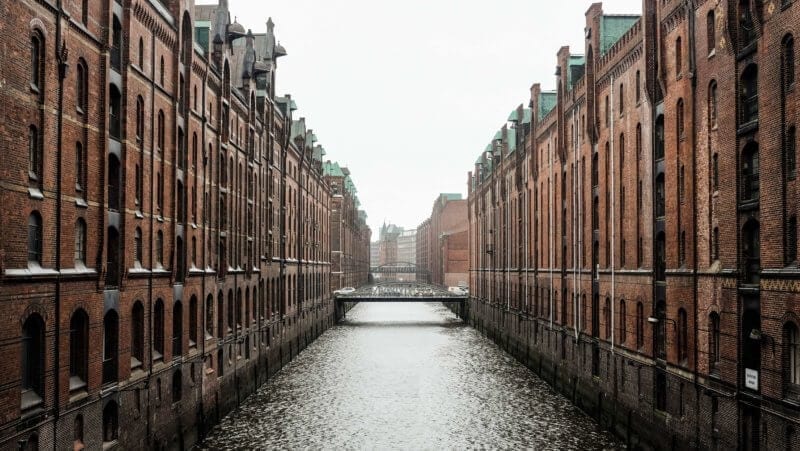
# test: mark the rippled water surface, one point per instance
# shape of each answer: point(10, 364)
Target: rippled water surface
point(407, 376)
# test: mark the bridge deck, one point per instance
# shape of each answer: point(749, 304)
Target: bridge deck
point(401, 292)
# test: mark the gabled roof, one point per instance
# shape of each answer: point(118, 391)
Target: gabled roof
point(547, 101)
point(332, 169)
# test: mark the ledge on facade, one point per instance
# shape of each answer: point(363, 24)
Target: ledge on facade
point(196, 270)
point(210, 270)
point(789, 272)
point(138, 272)
point(35, 193)
point(31, 272)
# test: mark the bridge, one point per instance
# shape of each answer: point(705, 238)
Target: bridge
point(401, 292)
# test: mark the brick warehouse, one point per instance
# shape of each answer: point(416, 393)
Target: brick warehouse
point(442, 241)
point(616, 225)
point(172, 234)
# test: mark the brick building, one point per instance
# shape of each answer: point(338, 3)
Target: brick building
point(167, 244)
point(616, 226)
point(442, 241)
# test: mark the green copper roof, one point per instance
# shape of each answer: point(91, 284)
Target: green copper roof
point(575, 68)
point(514, 116)
point(547, 101)
point(612, 28)
point(332, 169)
point(450, 196)
point(498, 135)
point(527, 116)
point(511, 136)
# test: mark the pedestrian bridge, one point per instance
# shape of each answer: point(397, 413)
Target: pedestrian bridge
point(401, 292)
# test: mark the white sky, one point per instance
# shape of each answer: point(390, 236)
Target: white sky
point(408, 93)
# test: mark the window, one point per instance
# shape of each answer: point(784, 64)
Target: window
point(80, 243)
point(791, 359)
point(141, 53)
point(35, 239)
point(623, 322)
point(110, 346)
point(80, 172)
point(660, 196)
point(639, 325)
point(115, 113)
point(220, 317)
point(37, 63)
point(137, 335)
point(712, 105)
point(748, 95)
point(791, 240)
point(177, 329)
point(661, 330)
point(137, 247)
point(683, 335)
point(679, 123)
point(81, 87)
point(711, 33)
point(713, 342)
point(159, 249)
point(32, 362)
point(715, 171)
point(114, 183)
point(788, 61)
point(608, 318)
point(112, 257)
point(192, 321)
point(747, 28)
point(78, 350)
point(621, 99)
point(177, 386)
point(661, 257)
point(681, 183)
point(607, 112)
point(110, 422)
point(34, 155)
point(116, 44)
point(678, 57)
point(715, 244)
point(160, 128)
point(158, 330)
point(791, 152)
point(638, 87)
point(77, 434)
point(659, 144)
point(140, 119)
point(161, 72)
point(209, 323)
point(750, 173)
point(751, 252)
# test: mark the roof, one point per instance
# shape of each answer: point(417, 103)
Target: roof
point(575, 69)
point(613, 27)
point(450, 196)
point(511, 139)
point(547, 101)
point(332, 169)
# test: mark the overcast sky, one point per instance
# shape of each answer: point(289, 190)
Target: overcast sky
point(408, 93)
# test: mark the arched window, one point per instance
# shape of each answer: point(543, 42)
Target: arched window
point(661, 330)
point(239, 309)
point(35, 239)
point(110, 422)
point(115, 112)
point(661, 196)
point(78, 350)
point(177, 386)
point(37, 63)
point(791, 153)
point(159, 249)
point(791, 359)
point(621, 98)
point(193, 322)
point(161, 71)
point(137, 247)
point(639, 325)
point(230, 311)
point(160, 131)
point(788, 61)
point(713, 342)
point(791, 240)
point(33, 351)
point(137, 335)
point(158, 330)
point(661, 257)
point(683, 336)
point(715, 244)
point(220, 317)
point(715, 171)
point(678, 57)
point(80, 170)
point(711, 32)
point(712, 104)
point(80, 243)
point(112, 258)
point(750, 173)
point(608, 318)
point(748, 94)
point(751, 252)
point(638, 87)
point(81, 87)
point(141, 53)
point(659, 144)
point(34, 155)
point(209, 322)
point(177, 329)
point(679, 119)
point(110, 346)
point(623, 322)
point(114, 183)
point(77, 433)
point(747, 27)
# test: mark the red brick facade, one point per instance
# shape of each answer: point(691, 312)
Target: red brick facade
point(442, 242)
point(622, 241)
point(167, 242)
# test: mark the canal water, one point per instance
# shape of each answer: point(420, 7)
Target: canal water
point(406, 376)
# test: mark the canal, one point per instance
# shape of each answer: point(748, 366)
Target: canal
point(408, 376)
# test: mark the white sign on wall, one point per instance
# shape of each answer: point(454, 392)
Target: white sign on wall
point(751, 379)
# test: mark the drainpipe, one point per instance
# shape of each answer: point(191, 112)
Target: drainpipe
point(61, 56)
point(204, 263)
point(580, 226)
point(613, 208)
point(575, 228)
point(550, 222)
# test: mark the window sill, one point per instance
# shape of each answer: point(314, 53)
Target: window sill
point(712, 53)
point(35, 193)
point(139, 215)
point(80, 203)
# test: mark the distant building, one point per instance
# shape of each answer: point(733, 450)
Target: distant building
point(443, 244)
point(407, 252)
point(374, 253)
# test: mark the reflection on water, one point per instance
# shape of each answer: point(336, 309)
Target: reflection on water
point(407, 376)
